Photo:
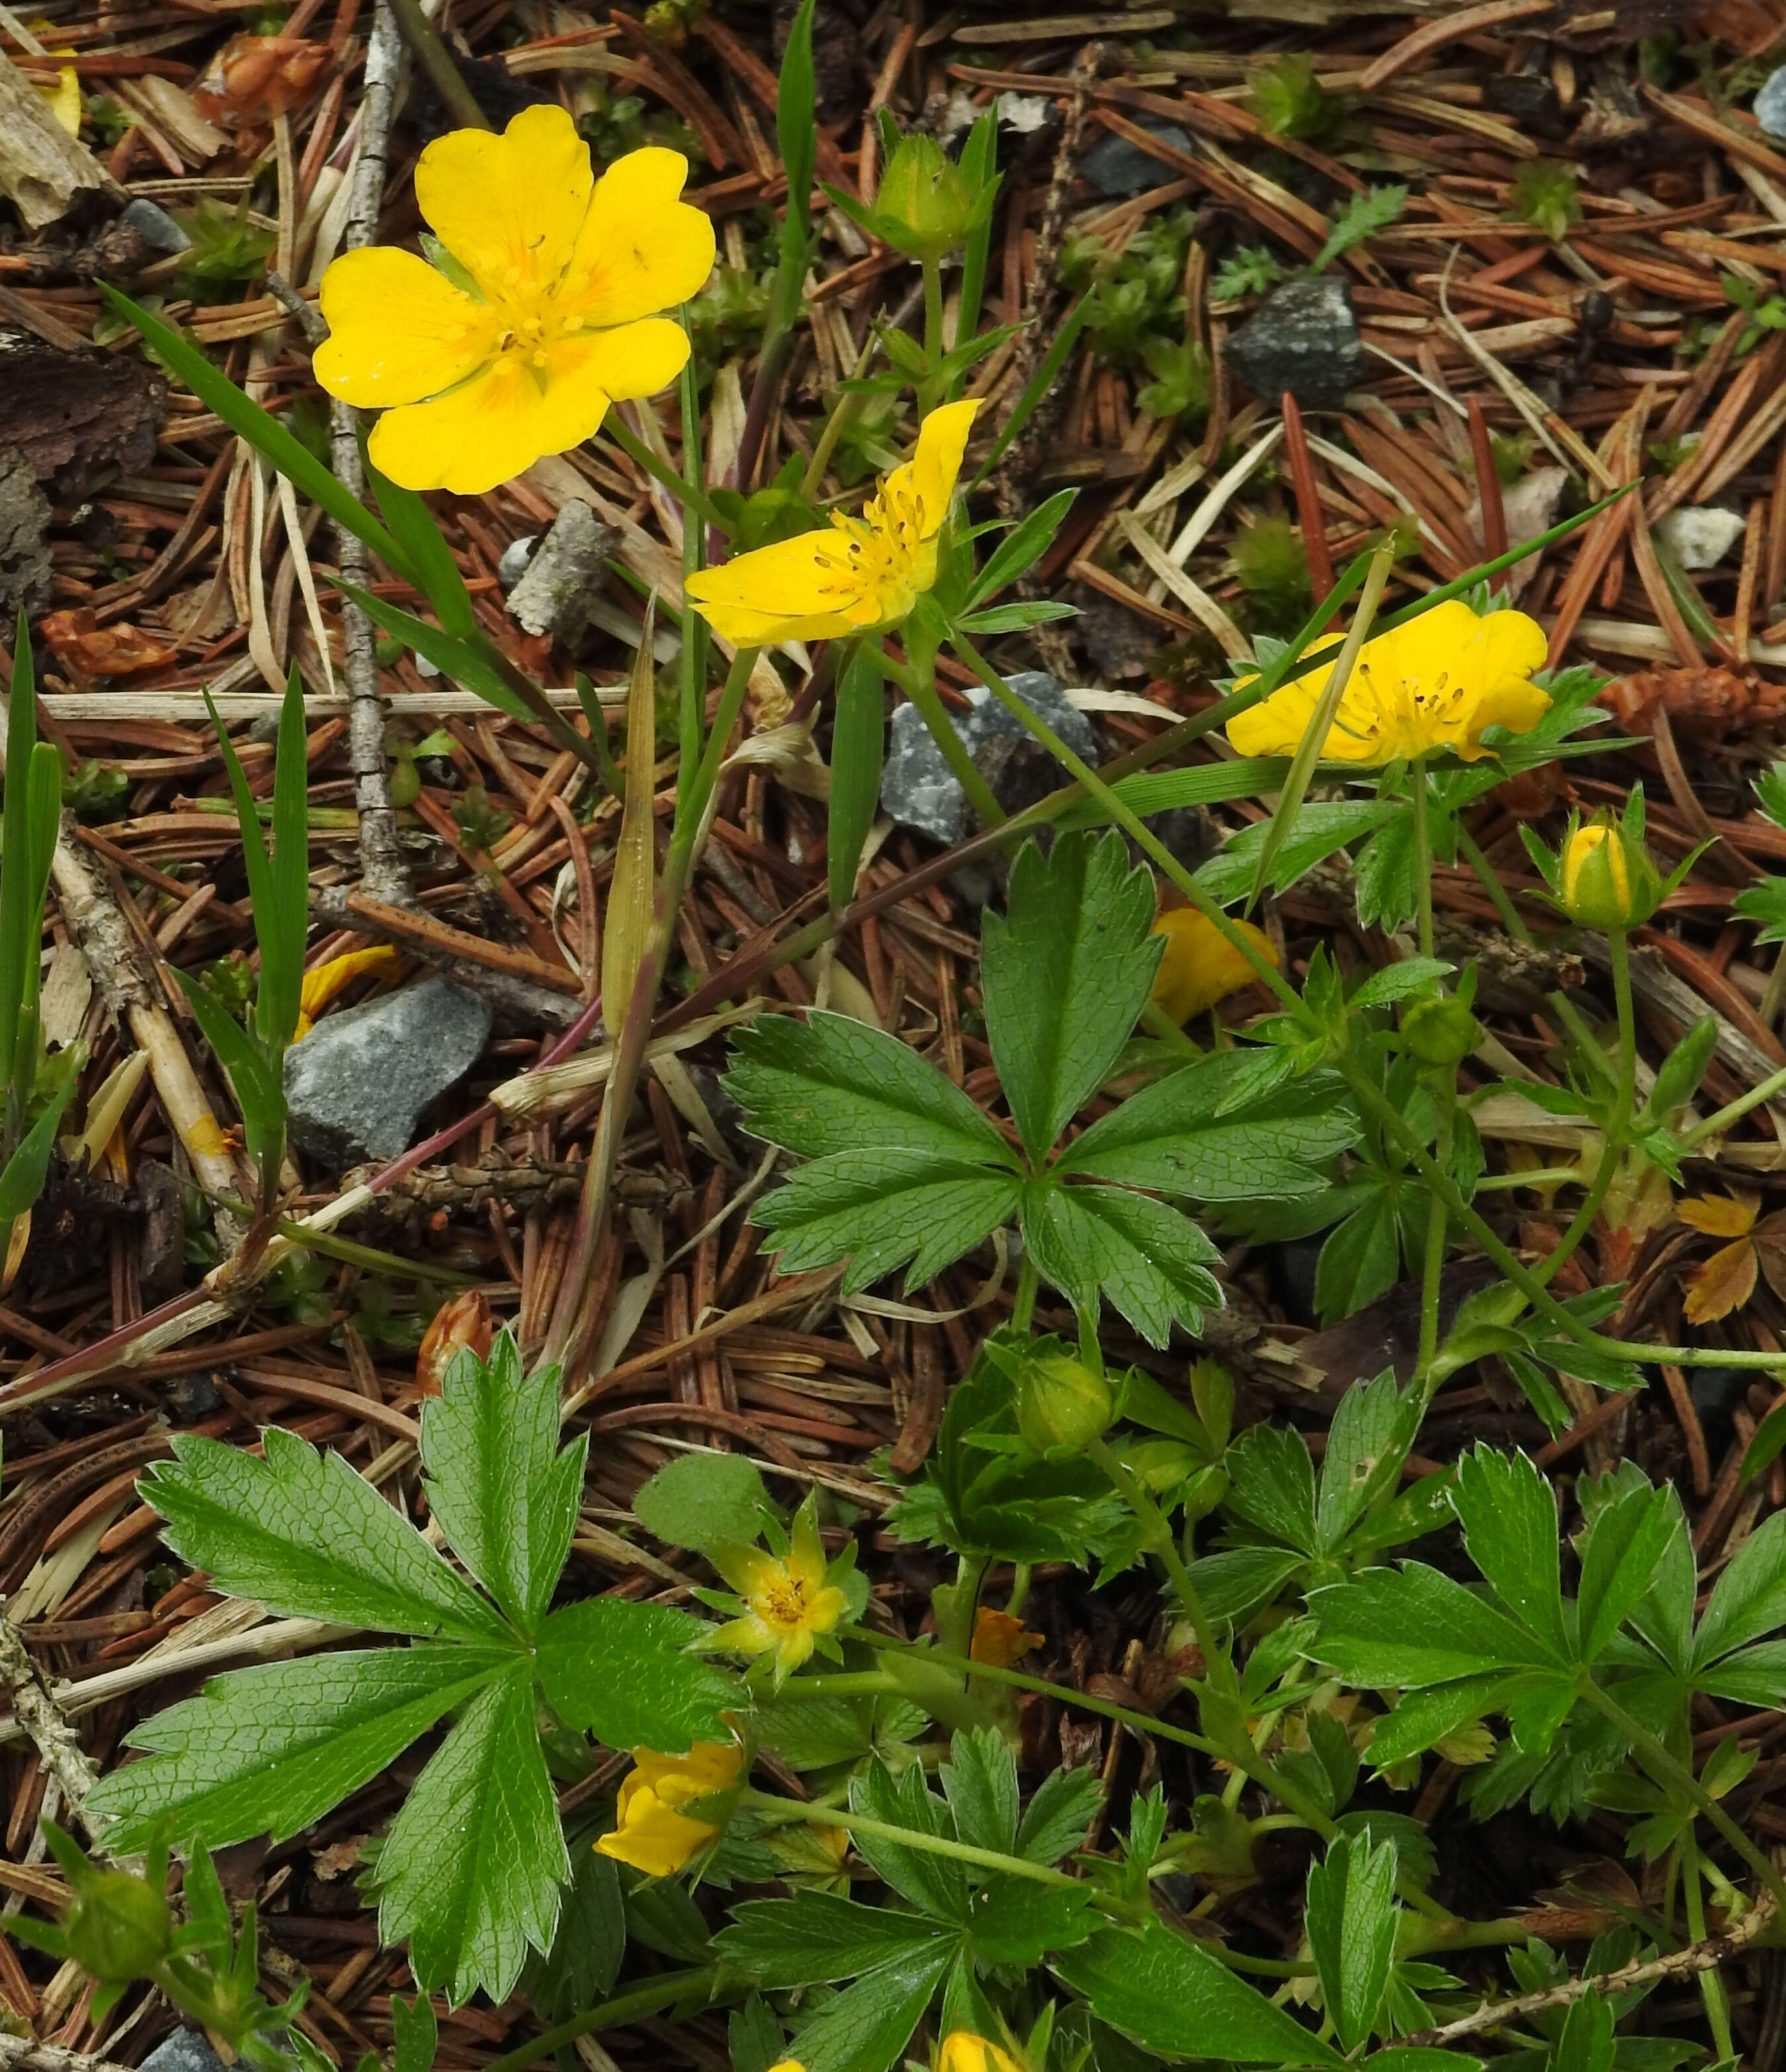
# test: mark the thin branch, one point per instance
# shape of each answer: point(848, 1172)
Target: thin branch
point(58, 1744)
point(1678, 1964)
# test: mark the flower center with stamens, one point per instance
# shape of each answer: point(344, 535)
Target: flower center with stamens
point(785, 1604)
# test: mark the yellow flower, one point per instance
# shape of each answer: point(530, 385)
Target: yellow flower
point(790, 1603)
point(322, 984)
point(1201, 965)
point(653, 1835)
point(965, 2052)
point(1000, 1639)
point(548, 315)
point(863, 572)
point(1436, 683)
point(1580, 846)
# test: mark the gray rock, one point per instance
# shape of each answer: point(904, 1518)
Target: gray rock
point(1770, 103)
point(155, 226)
point(515, 558)
point(357, 1084)
point(564, 577)
point(1700, 535)
point(1303, 337)
point(916, 788)
point(24, 541)
point(186, 2050)
point(1117, 168)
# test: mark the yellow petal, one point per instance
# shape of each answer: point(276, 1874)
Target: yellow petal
point(806, 1562)
point(486, 431)
point(999, 1639)
point(324, 982)
point(508, 208)
point(933, 470)
point(64, 99)
point(965, 2052)
point(398, 331)
point(802, 589)
point(653, 1838)
point(633, 360)
point(1720, 1215)
point(1200, 966)
point(641, 249)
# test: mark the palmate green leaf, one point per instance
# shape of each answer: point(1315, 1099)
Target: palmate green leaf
point(1066, 971)
point(1423, 1718)
point(1171, 1997)
point(829, 1085)
point(1749, 1599)
point(1148, 1258)
point(267, 1750)
point(506, 1496)
point(866, 2027)
point(623, 1672)
point(881, 1210)
point(1271, 1484)
point(300, 1530)
point(816, 1938)
point(1173, 1137)
point(1352, 1923)
point(471, 1871)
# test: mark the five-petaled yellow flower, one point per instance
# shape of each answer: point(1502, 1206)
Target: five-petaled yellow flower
point(653, 1835)
point(789, 1602)
point(1200, 966)
point(857, 574)
point(566, 274)
point(1435, 683)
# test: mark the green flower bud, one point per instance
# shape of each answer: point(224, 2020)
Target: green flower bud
point(1161, 1464)
point(118, 1928)
point(1608, 880)
point(1060, 1402)
point(1440, 1031)
point(925, 207)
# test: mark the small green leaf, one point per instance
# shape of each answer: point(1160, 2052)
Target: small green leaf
point(1398, 981)
point(1055, 1819)
point(881, 1210)
point(935, 1885)
point(701, 1500)
point(622, 1672)
point(1147, 1257)
point(505, 1496)
point(1508, 1513)
point(1172, 1997)
point(1065, 972)
point(1022, 547)
point(1749, 1600)
point(300, 1530)
point(470, 1871)
point(980, 1782)
point(268, 1750)
point(1411, 1627)
point(1012, 1922)
point(1620, 1553)
point(1351, 1923)
point(415, 2034)
point(866, 2027)
point(816, 1938)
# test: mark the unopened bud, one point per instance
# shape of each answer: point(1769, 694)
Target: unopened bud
point(926, 207)
point(463, 1324)
point(119, 1928)
point(1440, 1031)
point(1061, 1402)
point(1608, 882)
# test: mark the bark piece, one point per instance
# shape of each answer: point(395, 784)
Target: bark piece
point(72, 415)
point(44, 171)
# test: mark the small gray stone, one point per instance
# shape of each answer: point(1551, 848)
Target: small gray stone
point(564, 577)
point(1117, 168)
point(186, 2050)
point(155, 226)
point(515, 558)
point(916, 788)
point(1303, 337)
point(357, 1084)
point(1700, 535)
point(1770, 103)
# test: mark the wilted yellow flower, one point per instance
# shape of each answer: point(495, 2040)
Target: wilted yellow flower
point(965, 2052)
point(1000, 1639)
point(1437, 683)
point(653, 1835)
point(64, 97)
point(322, 984)
point(860, 573)
point(790, 1602)
point(1200, 966)
point(542, 312)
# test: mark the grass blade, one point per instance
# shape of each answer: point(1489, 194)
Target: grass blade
point(1039, 383)
point(14, 876)
point(1308, 749)
point(626, 927)
point(858, 746)
point(283, 935)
